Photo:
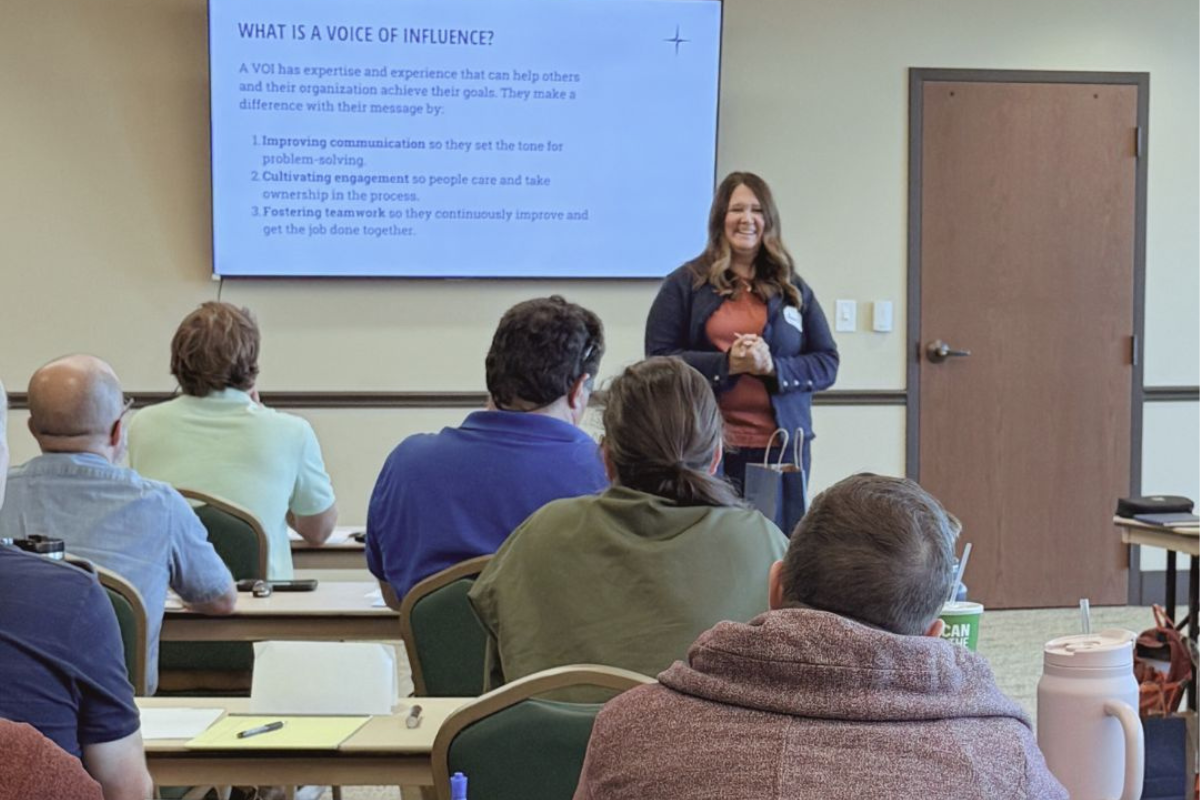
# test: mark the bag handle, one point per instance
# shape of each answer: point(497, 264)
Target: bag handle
point(798, 460)
point(1161, 620)
point(782, 448)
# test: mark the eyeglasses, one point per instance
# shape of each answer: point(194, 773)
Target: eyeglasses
point(583, 359)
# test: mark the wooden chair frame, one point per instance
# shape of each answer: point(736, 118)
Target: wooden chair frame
point(242, 513)
point(463, 569)
point(510, 694)
point(141, 626)
point(111, 581)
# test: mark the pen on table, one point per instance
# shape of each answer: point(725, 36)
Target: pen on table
point(270, 726)
point(414, 717)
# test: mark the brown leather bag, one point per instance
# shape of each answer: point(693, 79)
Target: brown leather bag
point(1160, 692)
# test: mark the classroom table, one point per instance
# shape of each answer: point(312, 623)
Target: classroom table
point(342, 555)
point(338, 611)
point(384, 752)
point(1186, 541)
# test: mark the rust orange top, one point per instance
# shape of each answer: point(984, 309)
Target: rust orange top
point(749, 418)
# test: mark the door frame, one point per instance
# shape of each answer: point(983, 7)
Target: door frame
point(917, 78)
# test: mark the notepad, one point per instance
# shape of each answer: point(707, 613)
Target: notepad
point(297, 733)
point(177, 723)
point(1175, 520)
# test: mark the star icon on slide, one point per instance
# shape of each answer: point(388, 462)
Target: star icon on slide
point(676, 40)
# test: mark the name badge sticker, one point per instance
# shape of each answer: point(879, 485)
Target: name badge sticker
point(791, 315)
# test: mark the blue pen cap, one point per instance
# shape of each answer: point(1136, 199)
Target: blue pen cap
point(458, 786)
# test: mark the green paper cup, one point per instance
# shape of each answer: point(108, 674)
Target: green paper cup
point(962, 623)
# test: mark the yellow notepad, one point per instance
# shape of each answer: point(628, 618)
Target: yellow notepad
point(297, 733)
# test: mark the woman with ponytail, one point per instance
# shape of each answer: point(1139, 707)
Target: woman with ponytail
point(631, 576)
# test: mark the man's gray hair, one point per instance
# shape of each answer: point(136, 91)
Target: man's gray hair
point(876, 549)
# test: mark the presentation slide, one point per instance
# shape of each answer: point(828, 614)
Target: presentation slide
point(442, 138)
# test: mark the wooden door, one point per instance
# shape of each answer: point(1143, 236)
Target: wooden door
point(1028, 201)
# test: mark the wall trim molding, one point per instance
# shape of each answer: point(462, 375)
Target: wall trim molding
point(1171, 394)
point(866, 397)
point(836, 397)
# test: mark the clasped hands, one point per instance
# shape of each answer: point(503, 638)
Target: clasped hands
point(750, 354)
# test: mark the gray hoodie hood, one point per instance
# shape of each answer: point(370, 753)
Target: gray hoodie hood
point(783, 662)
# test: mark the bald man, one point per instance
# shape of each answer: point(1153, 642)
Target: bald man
point(75, 491)
point(62, 667)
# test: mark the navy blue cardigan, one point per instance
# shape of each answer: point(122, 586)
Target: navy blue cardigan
point(805, 355)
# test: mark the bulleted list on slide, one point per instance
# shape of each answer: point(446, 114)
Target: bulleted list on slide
point(460, 138)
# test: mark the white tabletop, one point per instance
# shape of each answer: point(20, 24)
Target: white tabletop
point(334, 611)
point(1181, 540)
point(383, 752)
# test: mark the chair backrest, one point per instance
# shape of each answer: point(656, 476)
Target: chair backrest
point(130, 609)
point(513, 746)
point(444, 639)
point(236, 534)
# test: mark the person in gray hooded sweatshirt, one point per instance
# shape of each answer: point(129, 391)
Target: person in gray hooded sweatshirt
point(843, 690)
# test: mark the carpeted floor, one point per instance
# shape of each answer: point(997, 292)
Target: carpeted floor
point(1011, 640)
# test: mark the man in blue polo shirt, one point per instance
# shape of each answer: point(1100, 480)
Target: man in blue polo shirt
point(62, 666)
point(76, 491)
point(443, 498)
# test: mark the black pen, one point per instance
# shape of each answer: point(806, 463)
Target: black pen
point(270, 726)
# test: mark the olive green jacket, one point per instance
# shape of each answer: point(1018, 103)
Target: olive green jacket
point(622, 578)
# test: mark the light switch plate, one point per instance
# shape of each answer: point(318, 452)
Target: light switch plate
point(883, 316)
point(846, 319)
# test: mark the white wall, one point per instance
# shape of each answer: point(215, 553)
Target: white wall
point(1170, 459)
point(105, 202)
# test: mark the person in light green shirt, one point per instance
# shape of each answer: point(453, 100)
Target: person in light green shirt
point(219, 439)
point(630, 577)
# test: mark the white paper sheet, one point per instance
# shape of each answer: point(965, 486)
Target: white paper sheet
point(339, 678)
point(341, 534)
point(376, 598)
point(177, 723)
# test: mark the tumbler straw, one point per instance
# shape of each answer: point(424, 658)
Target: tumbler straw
point(958, 575)
point(1085, 614)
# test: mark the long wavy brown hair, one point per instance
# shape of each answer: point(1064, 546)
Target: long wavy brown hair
point(774, 269)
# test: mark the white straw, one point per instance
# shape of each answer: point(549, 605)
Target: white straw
point(958, 575)
point(1085, 613)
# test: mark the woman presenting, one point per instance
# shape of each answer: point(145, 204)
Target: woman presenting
point(739, 313)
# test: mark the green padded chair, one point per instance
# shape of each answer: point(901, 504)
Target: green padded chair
point(131, 617)
point(241, 542)
point(512, 745)
point(236, 534)
point(444, 639)
point(130, 609)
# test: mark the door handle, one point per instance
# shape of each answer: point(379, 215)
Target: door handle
point(938, 351)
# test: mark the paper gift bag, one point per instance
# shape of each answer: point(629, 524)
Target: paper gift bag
point(778, 489)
